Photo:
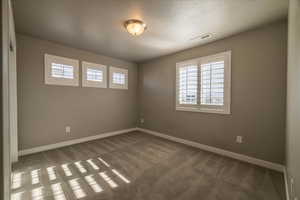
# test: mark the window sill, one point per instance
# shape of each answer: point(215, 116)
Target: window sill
point(119, 87)
point(62, 82)
point(204, 110)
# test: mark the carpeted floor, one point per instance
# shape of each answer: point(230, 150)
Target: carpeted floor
point(138, 166)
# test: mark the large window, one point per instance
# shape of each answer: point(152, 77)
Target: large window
point(118, 78)
point(203, 84)
point(61, 71)
point(93, 75)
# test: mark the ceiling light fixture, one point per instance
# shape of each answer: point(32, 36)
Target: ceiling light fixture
point(135, 27)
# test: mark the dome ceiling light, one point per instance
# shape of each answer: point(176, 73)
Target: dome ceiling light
point(135, 27)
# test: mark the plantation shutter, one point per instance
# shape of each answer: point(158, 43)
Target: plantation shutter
point(212, 83)
point(188, 84)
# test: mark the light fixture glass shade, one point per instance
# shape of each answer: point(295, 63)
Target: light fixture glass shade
point(135, 27)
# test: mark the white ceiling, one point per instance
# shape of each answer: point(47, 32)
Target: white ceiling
point(96, 25)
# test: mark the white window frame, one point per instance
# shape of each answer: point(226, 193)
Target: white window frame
point(89, 83)
point(222, 109)
point(112, 85)
point(50, 80)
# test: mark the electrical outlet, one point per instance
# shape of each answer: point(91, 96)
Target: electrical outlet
point(292, 185)
point(68, 129)
point(239, 139)
point(142, 120)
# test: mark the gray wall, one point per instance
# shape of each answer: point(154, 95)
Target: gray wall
point(45, 110)
point(1, 111)
point(257, 102)
point(293, 97)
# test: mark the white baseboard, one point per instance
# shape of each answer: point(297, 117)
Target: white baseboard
point(259, 162)
point(71, 142)
point(286, 184)
point(255, 161)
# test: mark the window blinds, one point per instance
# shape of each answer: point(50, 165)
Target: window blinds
point(204, 84)
point(62, 71)
point(118, 78)
point(204, 81)
point(94, 75)
point(212, 83)
point(188, 84)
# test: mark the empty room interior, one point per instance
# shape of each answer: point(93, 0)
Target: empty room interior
point(150, 100)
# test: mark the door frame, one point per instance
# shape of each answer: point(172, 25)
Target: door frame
point(13, 106)
point(6, 110)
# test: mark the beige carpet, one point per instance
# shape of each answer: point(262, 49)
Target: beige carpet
point(138, 166)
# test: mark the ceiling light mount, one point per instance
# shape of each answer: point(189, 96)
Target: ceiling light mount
point(135, 27)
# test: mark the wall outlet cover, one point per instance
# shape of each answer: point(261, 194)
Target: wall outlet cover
point(142, 120)
point(68, 129)
point(239, 139)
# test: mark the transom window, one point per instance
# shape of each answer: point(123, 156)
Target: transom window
point(203, 84)
point(94, 75)
point(61, 71)
point(119, 78)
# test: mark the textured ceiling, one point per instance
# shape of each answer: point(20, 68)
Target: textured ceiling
point(96, 25)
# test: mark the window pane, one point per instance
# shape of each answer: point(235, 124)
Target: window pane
point(119, 78)
point(212, 83)
point(188, 84)
point(94, 75)
point(62, 71)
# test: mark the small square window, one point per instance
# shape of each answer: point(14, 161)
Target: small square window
point(118, 78)
point(93, 75)
point(61, 71)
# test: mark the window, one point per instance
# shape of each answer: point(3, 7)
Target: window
point(203, 84)
point(188, 86)
point(212, 83)
point(118, 78)
point(93, 75)
point(61, 71)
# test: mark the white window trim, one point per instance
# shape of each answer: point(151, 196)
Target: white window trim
point(49, 80)
point(97, 84)
point(225, 109)
point(118, 70)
